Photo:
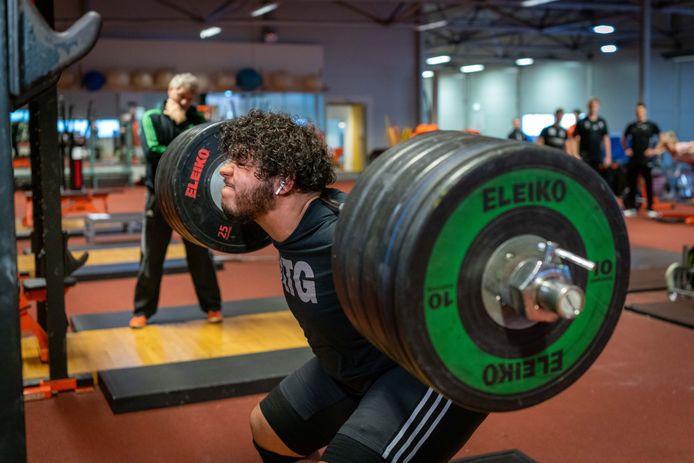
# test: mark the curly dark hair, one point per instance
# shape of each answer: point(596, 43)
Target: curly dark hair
point(278, 146)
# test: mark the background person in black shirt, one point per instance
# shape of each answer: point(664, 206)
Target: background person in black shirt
point(159, 127)
point(639, 141)
point(517, 133)
point(351, 397)
point(554, 135)
point(591, 135)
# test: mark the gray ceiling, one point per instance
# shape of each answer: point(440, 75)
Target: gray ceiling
point(484, 31)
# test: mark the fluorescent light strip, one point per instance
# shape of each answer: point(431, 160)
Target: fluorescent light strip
point(608, 48)
point(529, 3)
point(524, 61)
point(427, 74)
point(433, 25)
point(438, 60)
point(265, 9)
point(210, 32)
point(603, 29)
point(472, 68)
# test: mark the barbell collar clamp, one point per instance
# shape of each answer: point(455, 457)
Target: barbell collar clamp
point(551, 249)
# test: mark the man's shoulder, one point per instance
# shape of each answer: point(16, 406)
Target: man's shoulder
point(194, 116)
point(154, 112)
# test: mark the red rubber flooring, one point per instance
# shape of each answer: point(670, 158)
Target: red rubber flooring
point(634, 405)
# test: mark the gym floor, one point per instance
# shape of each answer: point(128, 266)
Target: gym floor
point(632, 405)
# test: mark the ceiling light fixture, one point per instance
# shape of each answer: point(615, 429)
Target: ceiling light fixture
point(608, 48)
point(471, 68)
point(265, 9)
point(529, 3)
point(427, 74)
point(524, 61)
point(432, 25)
point(442, 59)
point(603, 29)
point(210, 32)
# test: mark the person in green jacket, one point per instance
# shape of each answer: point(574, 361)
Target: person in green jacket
point(159, 128)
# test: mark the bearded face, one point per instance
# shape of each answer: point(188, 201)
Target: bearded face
point(244, 197)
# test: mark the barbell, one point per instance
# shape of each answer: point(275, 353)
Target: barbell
point(494, 271)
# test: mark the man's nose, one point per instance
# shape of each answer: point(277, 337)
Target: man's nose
point(227, 169)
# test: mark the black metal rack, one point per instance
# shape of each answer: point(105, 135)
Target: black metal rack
point(32, 57)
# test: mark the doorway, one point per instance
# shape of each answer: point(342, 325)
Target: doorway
point(346, 135)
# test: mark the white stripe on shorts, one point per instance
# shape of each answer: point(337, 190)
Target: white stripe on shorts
point(403, 430)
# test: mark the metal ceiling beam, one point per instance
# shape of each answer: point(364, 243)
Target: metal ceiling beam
point(526, 23)
point(576, 6)
point(362, 12)
point(463, 26)
point(242, 22)
point(189, 14)
point(224, 8)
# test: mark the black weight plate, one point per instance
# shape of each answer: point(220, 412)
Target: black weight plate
point(190, 186)
point(385, 238)
point(468, 367)
point(350, 233)
point(355, 231)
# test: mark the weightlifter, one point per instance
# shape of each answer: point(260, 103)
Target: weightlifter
point(517, 134)
point(555, 135)
point(350, 397)
point(160, 126)
point(591, 135)
point(639, 141)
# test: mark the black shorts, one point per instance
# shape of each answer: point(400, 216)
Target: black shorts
point(398, 419)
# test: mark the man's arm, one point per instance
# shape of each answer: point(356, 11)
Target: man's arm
point(150, 139)
point(576, 140)
point(661, 146)
point(650, 152)
point(608, 149)
point(627, 150)
point(570, 148)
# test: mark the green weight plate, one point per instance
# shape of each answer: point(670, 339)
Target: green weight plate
point(510, 190)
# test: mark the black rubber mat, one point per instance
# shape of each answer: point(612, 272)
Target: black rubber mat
point(130, 269)
point(642, 257)
point(647, 279)
point(648, 267)
point(505, 456)
point(145, 388)
point(680, 312)
point(90, 247)
point(26, 234)
point(180, 314)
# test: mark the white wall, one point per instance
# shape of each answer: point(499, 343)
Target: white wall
point(452, 104)
point(370, 65)
point(202, 56)
point(373, 66)
point(493, 100)
point(544, 86)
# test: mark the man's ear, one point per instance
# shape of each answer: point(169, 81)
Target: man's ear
point(283, 185)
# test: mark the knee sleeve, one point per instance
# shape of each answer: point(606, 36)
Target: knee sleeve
point(272, 457)
point(344, 449)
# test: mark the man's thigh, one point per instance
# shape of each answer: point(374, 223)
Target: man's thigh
point(307, 408)
point(401, 420)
